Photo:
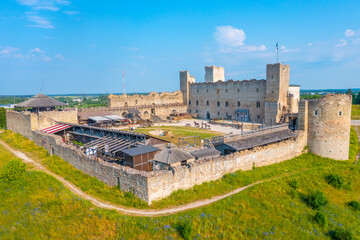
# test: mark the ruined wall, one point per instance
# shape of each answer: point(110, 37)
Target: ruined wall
point(126, 178)
point(329, 120)
point(238, 94)
point(152, 98)
point(162, 110)
point(24, 122)
point(163, 183)
point(294, 98)
point(46, 119)
point(185, 81)
point(19, 122)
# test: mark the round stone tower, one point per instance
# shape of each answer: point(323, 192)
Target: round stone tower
point(329, 121)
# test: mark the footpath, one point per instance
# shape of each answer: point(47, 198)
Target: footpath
point(132, 211)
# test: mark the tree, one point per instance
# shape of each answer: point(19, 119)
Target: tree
point(357, 100)
point(2, 118)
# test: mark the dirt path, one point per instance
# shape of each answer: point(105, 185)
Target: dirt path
point(131, 211)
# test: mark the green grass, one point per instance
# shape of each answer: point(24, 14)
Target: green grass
point(178, 132)
point(355, 112)
point(354, 143)
point(37, 206)
point(91, 185)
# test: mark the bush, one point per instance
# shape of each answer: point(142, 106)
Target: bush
point(316, 200)
point(184, 229)
point(320, 218)
point(355, 205)
point(294, 184)
point(13, 170)
point(2, 118)
point(342, 234)
point(335, 180)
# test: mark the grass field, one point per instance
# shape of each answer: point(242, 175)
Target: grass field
point(37, 206)
point(178, 131)
point(206, 190)
point(355, 112)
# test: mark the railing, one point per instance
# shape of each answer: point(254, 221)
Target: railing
point(227, 138)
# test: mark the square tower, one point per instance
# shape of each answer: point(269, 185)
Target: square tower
point(277, 91)
point(185, 81)
point(214, 74)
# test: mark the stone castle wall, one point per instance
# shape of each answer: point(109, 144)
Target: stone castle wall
point(152, 98)
point(151, 186)
point(185, 177)
point(245, 94)
point(24, 122)
point(329, 121)
point(162, 110)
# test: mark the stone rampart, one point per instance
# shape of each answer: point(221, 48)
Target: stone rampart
point(128, 179)
point(163, 183)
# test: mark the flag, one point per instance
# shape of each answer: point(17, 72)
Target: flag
point(277, 46)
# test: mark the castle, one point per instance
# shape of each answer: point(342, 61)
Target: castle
point(268, 101)
point(320, 126)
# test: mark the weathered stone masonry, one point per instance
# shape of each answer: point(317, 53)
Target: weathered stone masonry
point(151, 186)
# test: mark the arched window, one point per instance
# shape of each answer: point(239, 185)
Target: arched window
point(218, 104)
point(226, 104)
point(197, 103)
point(189, 102)
point(207, 103)
point(238, 104)
point(258, 104)
point(218, 91)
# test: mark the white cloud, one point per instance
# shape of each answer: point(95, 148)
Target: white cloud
point(37, 50)
point(40, 22)
point(35, 54)
point(71, 12)
point(50, 8)
point(349, 33)
point(286, 50)
point(232, 39)
point(59, 56)
point(43, 5)
point(342, 43)
point(230, 36)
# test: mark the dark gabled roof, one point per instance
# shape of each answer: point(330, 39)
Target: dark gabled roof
point(172, 155)
point(207, 152)
point(40, 101)
point(260, 140)
point(140, 150)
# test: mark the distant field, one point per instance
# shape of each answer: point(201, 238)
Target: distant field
point(355, 112)
point(178, 132)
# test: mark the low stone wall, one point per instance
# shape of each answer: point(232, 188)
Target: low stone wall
point(126, 178)
point(164, 183)
point(151, 186)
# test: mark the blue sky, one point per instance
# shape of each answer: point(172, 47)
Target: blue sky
point(84, 46)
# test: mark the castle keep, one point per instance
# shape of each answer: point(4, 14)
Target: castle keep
point(268, 101)
point(153, 169)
